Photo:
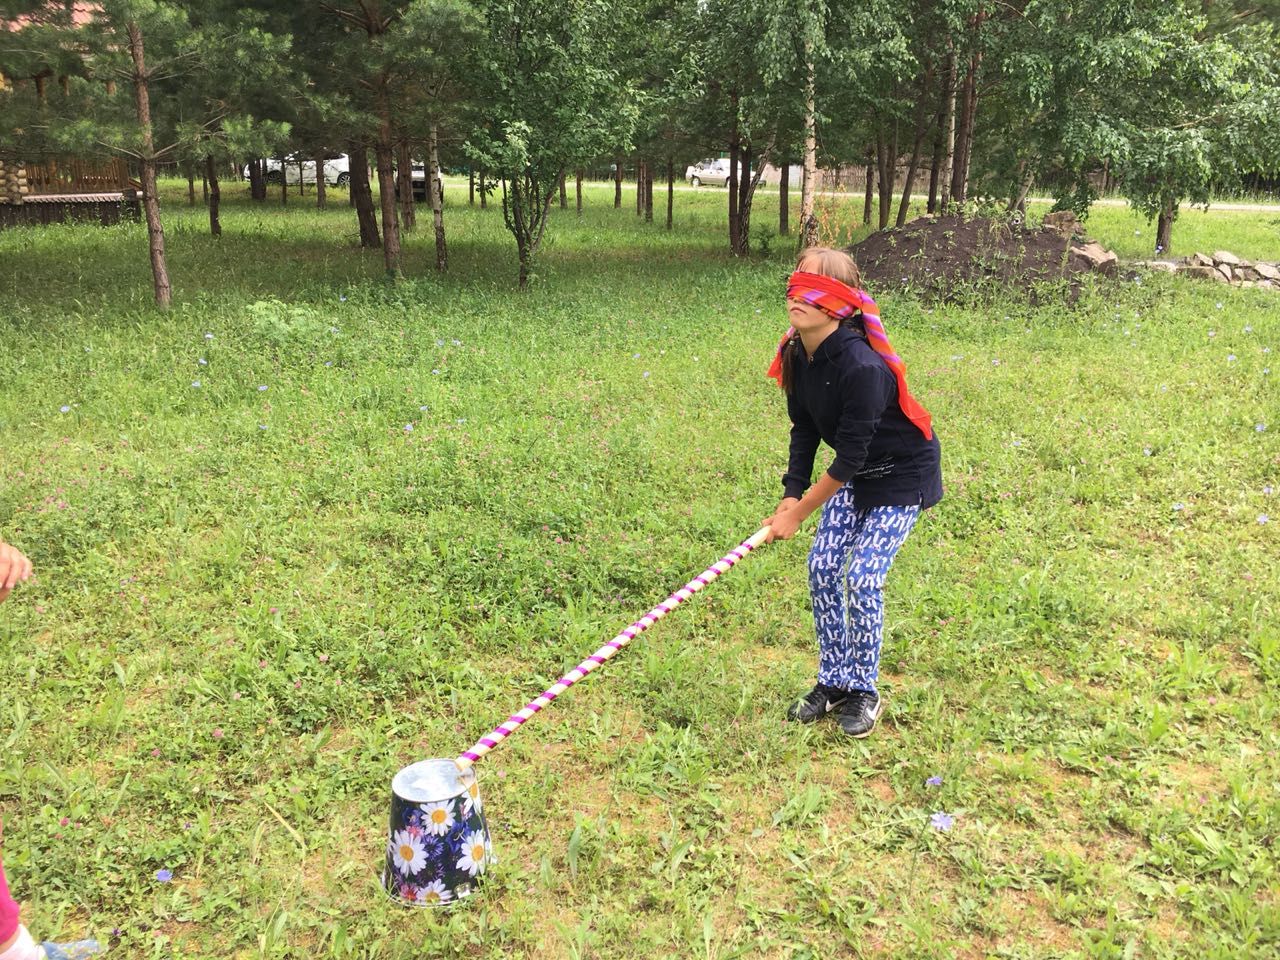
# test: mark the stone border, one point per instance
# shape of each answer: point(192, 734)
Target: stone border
point(1222, 266)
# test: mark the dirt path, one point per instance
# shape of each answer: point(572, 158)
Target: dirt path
point(1102, 202)
point(1116, 202)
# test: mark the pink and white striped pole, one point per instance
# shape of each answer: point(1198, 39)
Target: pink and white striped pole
point(514, 722)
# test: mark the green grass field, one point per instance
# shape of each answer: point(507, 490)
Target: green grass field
point(307, 528)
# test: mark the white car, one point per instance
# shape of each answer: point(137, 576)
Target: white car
point(711, 172)
point(337, 170)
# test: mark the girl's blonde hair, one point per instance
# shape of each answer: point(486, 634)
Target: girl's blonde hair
point(830, 263)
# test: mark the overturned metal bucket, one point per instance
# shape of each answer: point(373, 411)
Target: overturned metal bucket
point(438, 844)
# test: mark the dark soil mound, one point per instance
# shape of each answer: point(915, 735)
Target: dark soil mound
point(955, 257)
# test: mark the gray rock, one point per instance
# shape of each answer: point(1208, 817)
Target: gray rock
point(1062, 222)
point(1093, 256)
point(1267, 271)
point(1224, 256)
point(1199, 272)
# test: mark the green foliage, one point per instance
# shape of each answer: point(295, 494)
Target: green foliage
point(550, 101)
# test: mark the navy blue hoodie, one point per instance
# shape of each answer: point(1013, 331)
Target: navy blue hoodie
point(847, 396)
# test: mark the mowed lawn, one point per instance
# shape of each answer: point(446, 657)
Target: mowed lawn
point(307, 528)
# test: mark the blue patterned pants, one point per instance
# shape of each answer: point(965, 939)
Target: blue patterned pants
point(851, 555)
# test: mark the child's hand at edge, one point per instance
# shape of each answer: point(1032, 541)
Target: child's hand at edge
point(14, 567)
point(785, 521)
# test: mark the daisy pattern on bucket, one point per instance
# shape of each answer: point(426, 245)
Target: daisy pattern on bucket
point(433, 893)
point(437, 817)
point(471, 799)
point(407, 852)
point(475, 853)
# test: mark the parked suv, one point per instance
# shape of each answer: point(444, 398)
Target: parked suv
point(714, 173)
point(418, 177)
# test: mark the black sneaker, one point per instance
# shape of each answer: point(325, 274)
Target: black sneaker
point(816, 704)
point(858, 712)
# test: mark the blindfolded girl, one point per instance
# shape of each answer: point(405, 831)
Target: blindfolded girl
point(846, 386)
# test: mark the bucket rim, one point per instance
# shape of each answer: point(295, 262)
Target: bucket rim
point(407, 784)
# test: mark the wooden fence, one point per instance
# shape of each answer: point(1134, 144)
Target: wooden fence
point(55, 177)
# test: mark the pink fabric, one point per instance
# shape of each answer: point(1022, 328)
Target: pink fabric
point(8, 910)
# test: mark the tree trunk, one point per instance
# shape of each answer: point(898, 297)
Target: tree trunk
point(1164, 227)
point(525, 208)
point(564, 195)
point(887, 163)
point(215, 196)
point(471, 187)
point(964, 134)
point(871, 183)
point(617, 182)
point(150, 199)
point(578, 188)
point(968, 102)
point(734, 140)
point(387, 200)
point(1018, 202)
point(671, 190)
point(745, 190)
point(321, 199)
point(922, 128)
point(404, 186)
point(648, 192)
point(437, 201)
point(302, 178)
point(191, 183)
point(363, 196)
point(255, 181)
point(204, 190)
point(386, 184)
point(639, 188)
point(949, 155)
point(784, 200)
point(808, 222)
point(284, 183)
point(484, 191)
point(940, 132)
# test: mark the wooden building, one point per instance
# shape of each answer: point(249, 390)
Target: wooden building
point(53, 190)
point(49, 189)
